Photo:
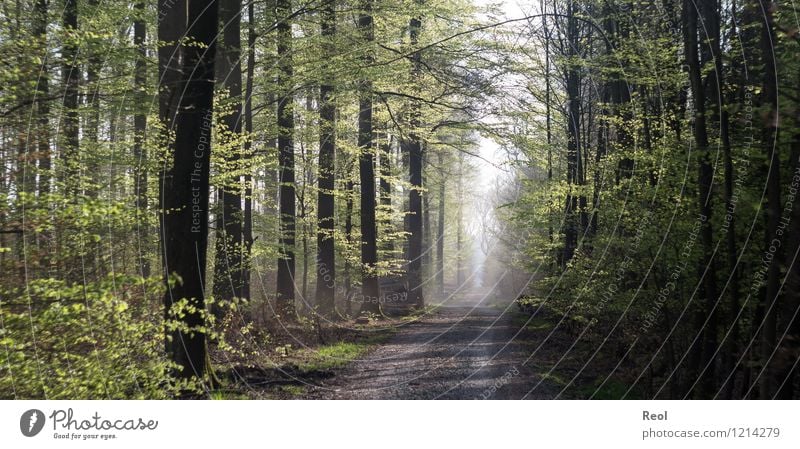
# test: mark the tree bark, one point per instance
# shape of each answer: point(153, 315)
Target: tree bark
point(186, 190)
point(415, 157)
point(768, 382)
point(440, 229)
point(139, 130)
point(385, 187)
point(71, 78)
point(228, 281)
point(370, 289)
point(326, 256)
point(247, 231)
point(286, 242)
point(43, 103)
point(702, 359)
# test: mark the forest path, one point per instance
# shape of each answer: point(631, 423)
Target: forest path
point(468, 348)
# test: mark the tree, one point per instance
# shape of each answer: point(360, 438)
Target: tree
point(140, 127)
point(773, 210)
point(415, 158)
point(370, 289)
point(186, 189)
point(286, 243)
point(43, 103)
point(326, 262)
point(705, 317)
point(71, 75)
point(228, 276)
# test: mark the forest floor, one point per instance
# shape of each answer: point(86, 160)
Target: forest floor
point(470, 346)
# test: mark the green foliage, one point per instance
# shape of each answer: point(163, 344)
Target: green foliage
point(94, 340)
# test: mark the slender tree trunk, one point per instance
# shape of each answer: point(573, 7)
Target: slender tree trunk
point(286, 243)
point(440, 228)
point(768, 382)
point(43, 103)
point(706, 316)
point(426, 224)
point(326, 256)
point(548, 115)
point(348, 235)
point(228, 281)
point(787, 369)
point(573, 140)
point(247, 231)
point(91, 130)
point(139, 130)
point(720, 116)
point(459, 223)
point(415, 158)
point(370, 289)
point(385, 187)
point(186, 190)
point(71, 78)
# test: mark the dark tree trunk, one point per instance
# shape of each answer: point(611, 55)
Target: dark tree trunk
point(548, 114)
point(286, 243)
point(186, 190)
point(247, 231)
point(573, 141)
point(348, 235)
point(787, 366)
point(415, 157)
point(768, 383)
point(42, 105)
point(370, 289)
point(71, 78)
point(139, 129)
point(719, 114)
point(440, 229)
point(426, 224)
point(702, 359)
point(89, 161)
point(228, 281)
point(326, 261)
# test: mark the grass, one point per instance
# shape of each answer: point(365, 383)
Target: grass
point(222, 395)
point(612, 389)
point(535, 324)
point(554, 378)
point(294, 390)
point(337, 355)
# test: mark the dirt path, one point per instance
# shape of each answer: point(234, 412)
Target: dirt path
point(466, 350)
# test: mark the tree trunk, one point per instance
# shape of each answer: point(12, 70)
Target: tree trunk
point(326, 256)
point(286, 243)
point(573, 140)
point(91, 130)
point(426, 224)
point(370, 289)
point(702, 359)
point(43, 103)
point(247, 231)
point(71, 78)
point(348, 235)
point(716, 84)
point(228, 280)
point(385, 187)
point(768, 383)
point(440, 229)
point(415, 156)
point(139, 130)
point(186, 190)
